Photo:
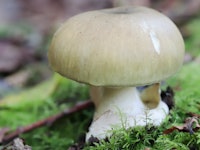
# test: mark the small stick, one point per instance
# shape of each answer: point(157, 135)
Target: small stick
point(48, 121)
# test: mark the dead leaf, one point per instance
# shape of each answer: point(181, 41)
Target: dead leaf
point(191, 125)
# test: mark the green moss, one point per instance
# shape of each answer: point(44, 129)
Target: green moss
point(42, 101)
point(140, 138)
point(39, 102)
point(192, 43)
point(60, 135)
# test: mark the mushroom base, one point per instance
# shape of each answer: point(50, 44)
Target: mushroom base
point(121, 107)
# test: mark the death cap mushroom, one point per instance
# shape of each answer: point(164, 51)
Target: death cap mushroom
point(120, 47)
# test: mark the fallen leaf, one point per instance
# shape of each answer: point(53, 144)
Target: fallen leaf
point(191, 125)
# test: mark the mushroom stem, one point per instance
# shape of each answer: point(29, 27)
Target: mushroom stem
point(115, 99)
point(121, 107)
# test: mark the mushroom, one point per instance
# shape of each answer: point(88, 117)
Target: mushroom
point(114, 50)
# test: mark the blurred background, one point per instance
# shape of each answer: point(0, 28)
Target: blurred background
point(26, 29)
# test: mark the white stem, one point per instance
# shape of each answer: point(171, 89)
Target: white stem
point(115, 99)
point(121, 107)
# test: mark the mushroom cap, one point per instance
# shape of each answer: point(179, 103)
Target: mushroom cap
point(124, 46)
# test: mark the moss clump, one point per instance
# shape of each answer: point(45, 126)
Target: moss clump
point(62, 134)
point(141, 138)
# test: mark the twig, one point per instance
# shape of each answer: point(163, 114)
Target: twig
point(47, 121)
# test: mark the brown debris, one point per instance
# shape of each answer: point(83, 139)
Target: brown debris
point(3, 132)
point(193, 115)
point(191, 125)
point(167, 96)
point(80, 145)
point(77, 146)
point(17, 144)
point(93, 140)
